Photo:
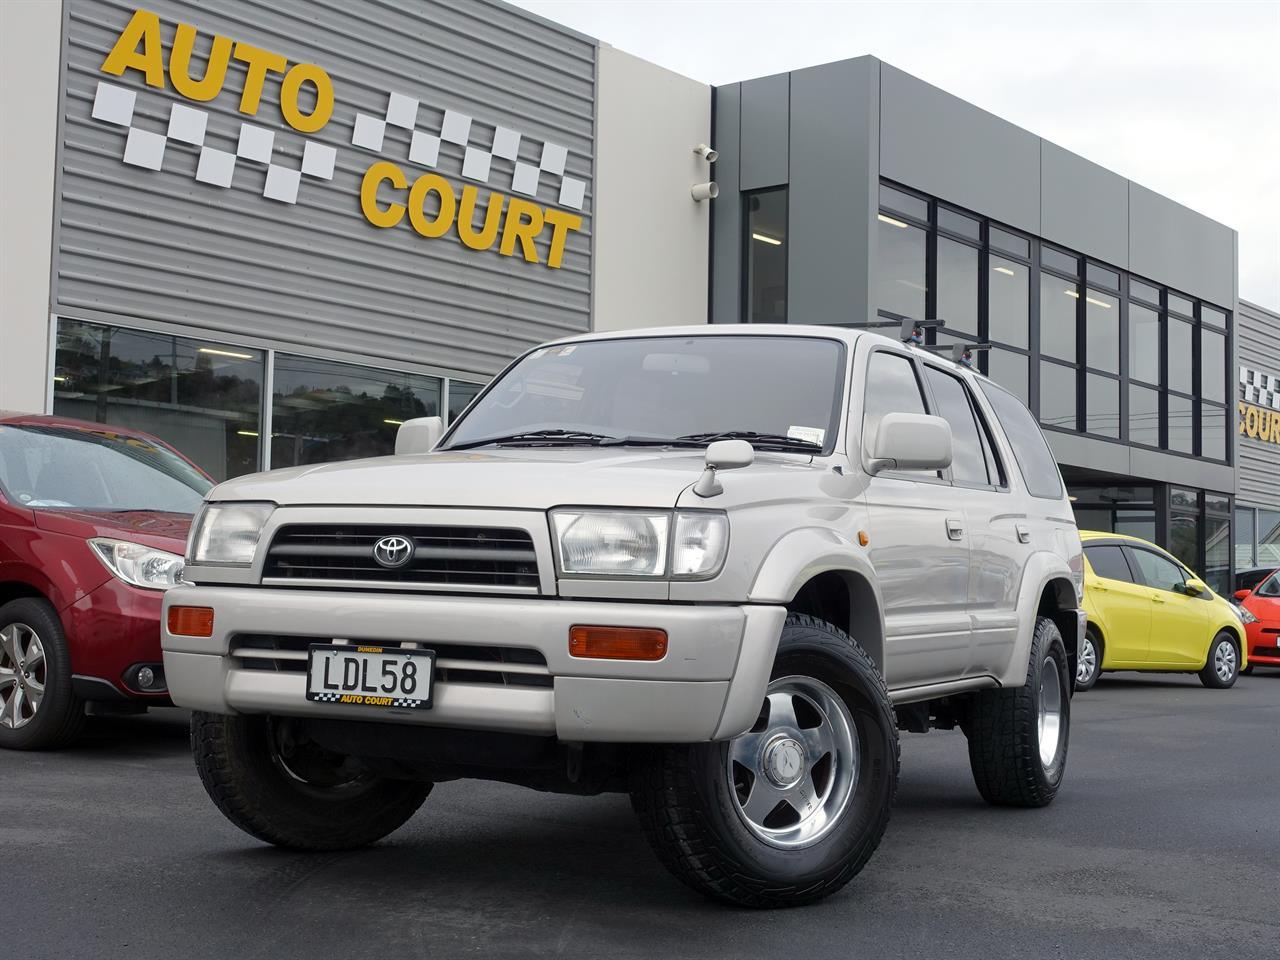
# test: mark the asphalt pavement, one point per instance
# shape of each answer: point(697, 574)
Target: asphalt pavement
point(1164, 842)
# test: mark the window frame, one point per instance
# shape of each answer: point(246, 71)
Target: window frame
point(986, 439)
point(1124, 555)
point(940, 477)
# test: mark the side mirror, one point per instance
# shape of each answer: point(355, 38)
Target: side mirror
point(419, 435)
point(1195, 588)
point(1243, 594)
point(911, 441)
point(723, 455)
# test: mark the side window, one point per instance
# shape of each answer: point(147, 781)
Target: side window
point(1109, 563)
point(1035, 460)
point(891, 387)
point(1270, 587)
point(972, 461)
point(1160, 572)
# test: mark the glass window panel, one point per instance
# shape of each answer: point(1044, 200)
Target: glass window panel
point(1092, 518)
point(1217, 503)
point(891, 387)
point(202, 397)
point(901, 278)
point(1057, 395)
point(901, 202)
point(1102, 331)
point(1212, 316)
point(460, 394)
point(1009, 306)
point(958, 286)
point(1180, 359)
point(1144, 344)
point(1213, 432)
point(1180, 304)
point(1217, 553)
point(1160, 572)
point(1144, 416)
point(958, 223)
point(1102, 405)
point(1144, 291)
point(1136, 523)
point(324, 411)
point(1058, 260)
point(999, 239)
point(1010, 371)
point(968, 460)
point(1184, 498)
point(1213, 365)
point(1109, 562)
point(1102, 276)
point(1246, 534)
point(1268, 537)
point(1035, 461)
point(1058, 299)
point(1180, 426)
point(766, 253)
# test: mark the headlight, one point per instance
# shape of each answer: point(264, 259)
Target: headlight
point(1245, 616)
point(638, 544)
point(227, 533)
point(141, 566)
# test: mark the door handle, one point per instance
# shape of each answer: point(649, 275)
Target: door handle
point(1099, 588)
point(1024, 533)
point(1157, 598)
point(955, 529)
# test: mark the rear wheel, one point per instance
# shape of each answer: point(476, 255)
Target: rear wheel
point(292, 793)
point(1223, 663)
point(790, 811)
point(38, 711)
point(1089, 663)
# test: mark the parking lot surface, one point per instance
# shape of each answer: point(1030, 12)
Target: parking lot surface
point(1164, 842)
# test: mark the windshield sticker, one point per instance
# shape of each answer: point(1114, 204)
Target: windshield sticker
point(812, 434)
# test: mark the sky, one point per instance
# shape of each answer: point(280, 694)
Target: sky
point(1182, 97)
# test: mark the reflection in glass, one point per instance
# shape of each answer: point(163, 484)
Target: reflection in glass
point(202, 397)
point(1180, 425)
point(1144, 416)
point(460, 394)
point(1057, 396)
point(1213, 432)
point(1009, 305)
point(1246, 534)
point(958, 286)
point(1136, 523)
point(1102, 276)
point(1269, 537)
point(1102, 331)
point(999, 239)
point(1184, 538)
point(1058, 299)
point(892, 199)
point(1144, 291)
point(1010, 371)
point(1180, 304)
point(901, 276)
point(1217, 553)
point(766, 256)
point(1180, 364)
point(1212, 316)
point(1057, 260)
point(324, 411)
point(958, 223)
point(1144, 344)
point(1213, 365)
point(1102, 405)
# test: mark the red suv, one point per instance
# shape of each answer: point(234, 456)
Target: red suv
point(93, 523)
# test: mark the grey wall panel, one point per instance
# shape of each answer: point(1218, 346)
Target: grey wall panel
point(1258, 461)
point(1083, 206)
point(833, 192)
point(158, 244)
point(940, 144)
point(765, 105)
point(1077, 451)
point(1172, 244)
point(726, 210)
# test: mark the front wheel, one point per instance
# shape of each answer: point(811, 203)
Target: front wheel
point(788, 812)
point(1222, 666)
point(1018, 737)
point(292, 793)
point(38, 710)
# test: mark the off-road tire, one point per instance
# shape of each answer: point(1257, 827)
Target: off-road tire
point(1001, 726)
point(1209, 675)
point(235, 760)
point(1092, 638)
point(60, 718)
point(683, 800)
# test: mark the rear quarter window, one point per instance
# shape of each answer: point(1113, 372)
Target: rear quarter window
point(1035, 460)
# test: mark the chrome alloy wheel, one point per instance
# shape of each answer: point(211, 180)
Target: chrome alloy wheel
point(22, 675)
point(793, 774)
point(1224, 660)
point(1049, 713)
point(1088, 661)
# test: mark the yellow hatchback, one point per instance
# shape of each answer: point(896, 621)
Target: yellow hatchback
point(1149, 612)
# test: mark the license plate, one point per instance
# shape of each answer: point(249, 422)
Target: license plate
point(370, 676)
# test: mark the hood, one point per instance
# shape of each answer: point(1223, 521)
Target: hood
point(164, 531)
point(528, 478)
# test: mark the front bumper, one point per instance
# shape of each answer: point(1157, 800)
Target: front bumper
point(110, 629)
point(709, 686)
point(1263, 643)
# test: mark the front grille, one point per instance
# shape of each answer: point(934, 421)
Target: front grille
point(443, 557)
point(1265, 652)
point(455, 663)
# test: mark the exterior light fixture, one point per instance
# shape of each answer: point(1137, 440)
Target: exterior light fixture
point(891, 221)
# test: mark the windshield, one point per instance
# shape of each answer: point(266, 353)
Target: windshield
point(649, 389)
point(49, 467)
point(1269, 587)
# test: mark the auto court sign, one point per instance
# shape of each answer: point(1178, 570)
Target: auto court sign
point(390, 195)
point(1259, 406)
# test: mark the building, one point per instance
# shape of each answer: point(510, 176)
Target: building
point(269, 233)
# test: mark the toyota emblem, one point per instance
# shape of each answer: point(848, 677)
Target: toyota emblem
point(392, 552)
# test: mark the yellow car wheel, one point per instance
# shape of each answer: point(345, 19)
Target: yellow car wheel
point(1223, 664)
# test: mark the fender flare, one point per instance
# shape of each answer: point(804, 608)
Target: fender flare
point(1042, 568)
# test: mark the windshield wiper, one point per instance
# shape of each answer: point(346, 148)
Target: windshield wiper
point(541, 436)
point(756, 439)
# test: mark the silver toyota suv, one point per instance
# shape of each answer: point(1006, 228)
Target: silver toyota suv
point(718, 568)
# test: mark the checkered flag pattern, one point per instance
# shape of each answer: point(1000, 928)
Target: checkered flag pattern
point(477, 160)
point(327, 697)
point(1260, 388)
point(187, 125)
point(405, 702)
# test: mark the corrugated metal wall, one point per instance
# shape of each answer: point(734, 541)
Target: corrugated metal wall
point(1257, 461)
point(160, 245)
